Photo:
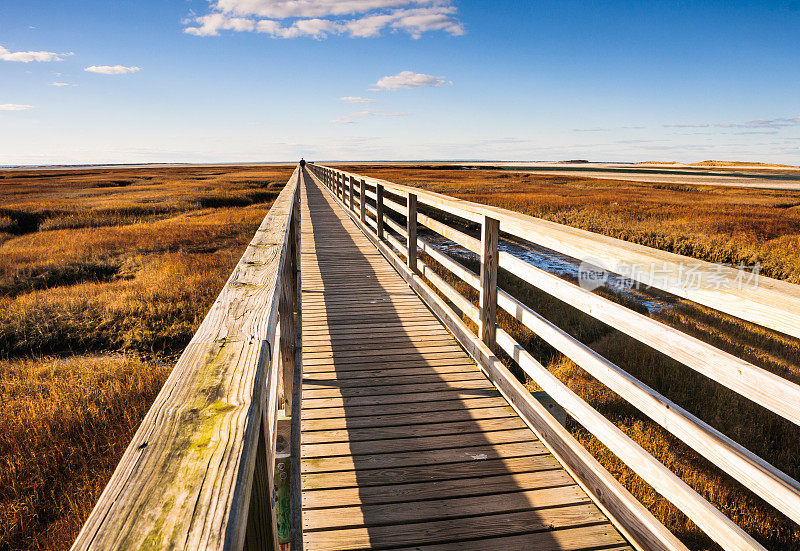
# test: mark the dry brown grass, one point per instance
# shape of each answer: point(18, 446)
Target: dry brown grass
point(742, 163)
point(586, 204)
point(65, 423)
point(104, 277)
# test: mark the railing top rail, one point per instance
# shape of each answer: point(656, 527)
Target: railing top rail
point(186, 478)
point(770, 302)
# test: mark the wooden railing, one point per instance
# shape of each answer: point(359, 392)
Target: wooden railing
point(199, 471)
point(379, 208)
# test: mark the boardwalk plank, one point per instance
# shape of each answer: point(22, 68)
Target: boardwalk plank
point(378, 537)
point(440, 509)
point(437, 489)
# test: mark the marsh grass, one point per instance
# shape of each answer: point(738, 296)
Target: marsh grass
point(65, 423)
point(104, 277)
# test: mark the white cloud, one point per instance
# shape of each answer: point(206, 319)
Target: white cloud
point(14, 107)
point(354, 117)
point(409, 79)
point(416, 22)
point(27, 57)
point(353, 99)
point(321, 18)
point(369, 26)
point(211, 24)
point(315, 28)
point(61, 84)
point(284, 9)
point(112, 69)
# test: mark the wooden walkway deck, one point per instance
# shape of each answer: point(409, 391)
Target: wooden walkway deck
point(404, 443)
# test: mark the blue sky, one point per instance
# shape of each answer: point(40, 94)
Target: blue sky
point(263, 80)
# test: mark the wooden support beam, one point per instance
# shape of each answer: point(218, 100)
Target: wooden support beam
point(363, 202)
point(352, 193)
point(379, 209)
point(490, 232)
point(411, 231)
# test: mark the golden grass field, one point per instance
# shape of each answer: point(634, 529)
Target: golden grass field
point(105, 274)
point(714, 224)
point(104, 277)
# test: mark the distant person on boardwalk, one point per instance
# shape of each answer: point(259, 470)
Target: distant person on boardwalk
point(302, 163)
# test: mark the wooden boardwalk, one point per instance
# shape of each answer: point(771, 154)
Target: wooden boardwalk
point(404, 442)
point(398, 440)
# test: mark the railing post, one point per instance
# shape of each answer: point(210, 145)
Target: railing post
point(352, 193)
point(363, 202)
point(379, 211)
point(490, 233)
point(411, 229)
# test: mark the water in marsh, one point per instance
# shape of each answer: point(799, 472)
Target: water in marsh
point(561, 265)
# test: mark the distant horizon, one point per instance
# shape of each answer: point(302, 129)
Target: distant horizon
point(290, 162)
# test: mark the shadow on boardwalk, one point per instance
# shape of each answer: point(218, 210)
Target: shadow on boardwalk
point(405, 444)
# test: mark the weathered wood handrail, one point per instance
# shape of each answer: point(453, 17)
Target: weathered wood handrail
point(773, 304)
point(198, 472)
